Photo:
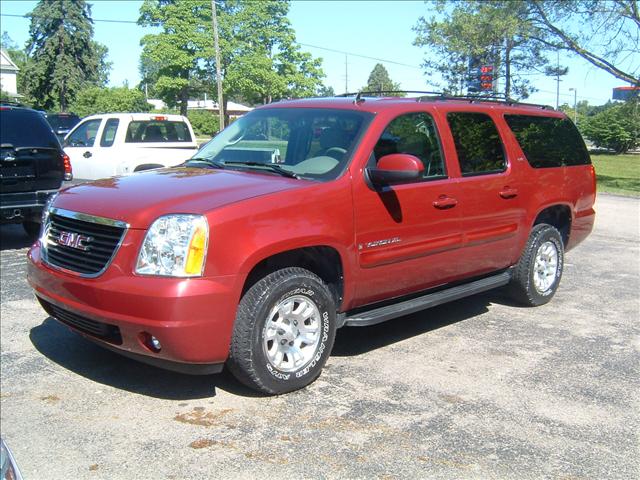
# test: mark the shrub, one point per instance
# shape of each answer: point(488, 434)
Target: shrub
point(617, 128)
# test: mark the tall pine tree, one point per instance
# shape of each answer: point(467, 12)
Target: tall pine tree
point(63, 57)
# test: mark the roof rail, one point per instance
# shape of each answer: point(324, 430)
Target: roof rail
point(500, 99)
point(361, 94)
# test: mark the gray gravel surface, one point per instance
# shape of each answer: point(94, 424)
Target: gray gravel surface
point(478, 389)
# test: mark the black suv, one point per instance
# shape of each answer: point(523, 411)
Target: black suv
point(62, 123)
point(32, 166)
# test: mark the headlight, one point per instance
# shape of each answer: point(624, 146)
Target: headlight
point(175, 246)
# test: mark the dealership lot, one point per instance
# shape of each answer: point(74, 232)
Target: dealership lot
point(476, 389)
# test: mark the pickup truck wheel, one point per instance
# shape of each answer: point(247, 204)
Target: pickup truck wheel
point(537, 275)
point(283, 333)
point(31, 228)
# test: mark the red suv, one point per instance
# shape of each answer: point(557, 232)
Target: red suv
point(305, 216)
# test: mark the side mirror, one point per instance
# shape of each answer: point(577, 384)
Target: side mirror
point(395, 168)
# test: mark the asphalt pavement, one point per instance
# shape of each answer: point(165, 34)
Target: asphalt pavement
point(476, 389)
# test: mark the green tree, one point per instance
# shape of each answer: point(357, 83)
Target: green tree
point(260, 60)
point(497, 32)
point(616, 128)
point(117, 99)
point(63, 58)
point(379, 80)
point(204, 123)
point(325, 91)
point(604, 33)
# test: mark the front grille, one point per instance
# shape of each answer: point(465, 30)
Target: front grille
point(104, 331)
point(93, 254)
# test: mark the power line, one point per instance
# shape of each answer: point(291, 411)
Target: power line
point(343, 52)
point(102, 20)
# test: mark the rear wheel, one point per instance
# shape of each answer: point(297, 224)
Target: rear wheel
point(284, 332)
point(539, 270)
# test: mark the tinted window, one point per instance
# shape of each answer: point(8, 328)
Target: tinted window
point(414, 134)
point(109, 133)
point(26, 128)
point(477, 143)
point(151, 131)
point(62, 122)
point(85, 134)
point(548, 142)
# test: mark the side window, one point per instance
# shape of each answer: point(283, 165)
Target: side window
point(477, 143)
point(414, 134)
point(109, 133)
point(548, 142)
point(85, 134)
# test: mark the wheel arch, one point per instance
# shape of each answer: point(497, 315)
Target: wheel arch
point(323, 260)
point(558, 215)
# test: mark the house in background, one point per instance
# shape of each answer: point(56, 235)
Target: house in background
point(8, 75)
point(234, 110)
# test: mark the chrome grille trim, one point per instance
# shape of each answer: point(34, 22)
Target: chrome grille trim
point(70, 257)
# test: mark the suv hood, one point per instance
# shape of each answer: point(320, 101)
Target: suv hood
point(140, 198)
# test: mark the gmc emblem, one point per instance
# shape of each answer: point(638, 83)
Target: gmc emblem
point(74, 240)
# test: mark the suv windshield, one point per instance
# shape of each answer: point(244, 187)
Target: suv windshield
point(308, 142)
point(62, 121)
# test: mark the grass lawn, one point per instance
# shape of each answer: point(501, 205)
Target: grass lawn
point(617, 173)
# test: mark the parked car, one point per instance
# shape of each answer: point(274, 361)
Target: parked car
point(32, 166)
point(305, 216)
point(62, 123)
point(118, 143)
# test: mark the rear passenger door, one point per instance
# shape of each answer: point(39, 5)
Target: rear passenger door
point(490, 193)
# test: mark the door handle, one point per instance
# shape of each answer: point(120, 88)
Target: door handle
point(508, 192)
point(443, 202)
point(87, 154)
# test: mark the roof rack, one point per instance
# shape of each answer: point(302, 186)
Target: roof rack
point(500, 99)
point(439, 96)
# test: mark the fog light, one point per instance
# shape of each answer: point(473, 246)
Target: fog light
point(151, 342)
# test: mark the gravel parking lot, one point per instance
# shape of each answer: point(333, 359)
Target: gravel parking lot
point(476, 389)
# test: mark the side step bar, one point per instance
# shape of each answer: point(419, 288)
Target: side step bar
point(382, 314)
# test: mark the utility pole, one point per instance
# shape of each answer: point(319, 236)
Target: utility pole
point(216, 45)
point(346, 75)
point(575, 104)
point(558, 80)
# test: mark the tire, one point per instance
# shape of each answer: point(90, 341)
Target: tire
point(538, 272)
point(267, 351)
point(31, 228)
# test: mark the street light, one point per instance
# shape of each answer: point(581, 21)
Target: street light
point(575, 104)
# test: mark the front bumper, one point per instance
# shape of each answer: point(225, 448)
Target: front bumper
point(191, 317)
point(21, 206)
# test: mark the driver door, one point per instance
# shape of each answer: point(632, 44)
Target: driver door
point(80, 146)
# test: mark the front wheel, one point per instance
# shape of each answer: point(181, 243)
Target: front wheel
point(537, 275)
point(284, 332)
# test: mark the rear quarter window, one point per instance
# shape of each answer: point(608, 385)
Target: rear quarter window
point(154, 131)
point(548, 142)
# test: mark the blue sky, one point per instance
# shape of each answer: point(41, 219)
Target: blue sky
point(379, 29)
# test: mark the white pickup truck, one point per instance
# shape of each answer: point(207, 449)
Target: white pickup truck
point(119, 143)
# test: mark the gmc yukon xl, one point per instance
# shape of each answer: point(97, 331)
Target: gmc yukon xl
point(305, 216)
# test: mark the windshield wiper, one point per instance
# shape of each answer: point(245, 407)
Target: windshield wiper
point(206, 161)
point(271, 166)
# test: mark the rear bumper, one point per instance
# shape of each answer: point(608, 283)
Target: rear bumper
point(192, 318)
point(20, 206)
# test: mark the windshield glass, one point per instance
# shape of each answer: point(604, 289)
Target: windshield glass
point(311, 143)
